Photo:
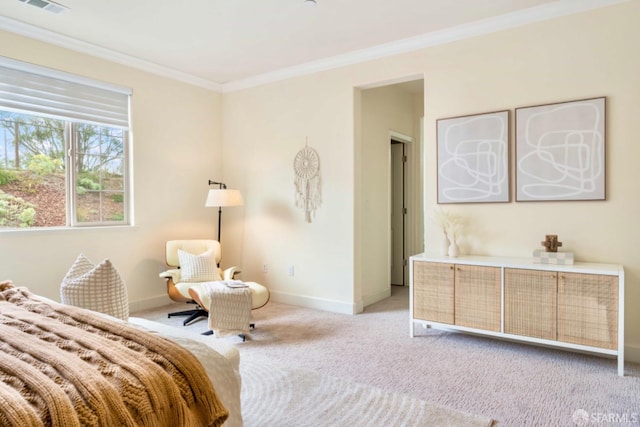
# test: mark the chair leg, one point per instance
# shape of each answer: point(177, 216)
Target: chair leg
point(243, 336)
point(181, 313)
point(193, 315)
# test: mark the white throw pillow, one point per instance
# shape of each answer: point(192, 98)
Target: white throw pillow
point(95, 287)
point(198, 268)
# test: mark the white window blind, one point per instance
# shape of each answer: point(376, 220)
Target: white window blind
point(27, 88)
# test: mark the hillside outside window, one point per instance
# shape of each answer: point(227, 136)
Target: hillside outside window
point(64, 143)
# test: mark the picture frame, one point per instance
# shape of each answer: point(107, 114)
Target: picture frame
point(560, 151)
point(473, 158)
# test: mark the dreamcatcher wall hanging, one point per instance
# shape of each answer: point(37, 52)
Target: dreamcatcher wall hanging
point(306, 167)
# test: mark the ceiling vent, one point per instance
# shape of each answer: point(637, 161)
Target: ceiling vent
point(49, 6)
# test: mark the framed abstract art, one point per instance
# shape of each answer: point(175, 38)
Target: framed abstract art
point(473, 158)
point(560, 151)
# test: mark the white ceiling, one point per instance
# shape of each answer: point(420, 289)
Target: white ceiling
point(227, 42)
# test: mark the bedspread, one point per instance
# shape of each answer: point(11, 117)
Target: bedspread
point(66, 366)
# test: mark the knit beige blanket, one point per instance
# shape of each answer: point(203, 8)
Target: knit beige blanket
point(229, 307)
point(66, 366)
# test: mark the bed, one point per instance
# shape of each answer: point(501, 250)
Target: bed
point(66, 366)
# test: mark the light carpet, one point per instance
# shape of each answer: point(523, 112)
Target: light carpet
point(513, 383)
point(277, 395)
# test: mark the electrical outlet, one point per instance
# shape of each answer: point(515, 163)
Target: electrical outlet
point(265, 268)
point(290, 271)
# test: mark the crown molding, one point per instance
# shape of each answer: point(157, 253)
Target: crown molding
point(486, 26)
point(544, 12)
point(37, 33)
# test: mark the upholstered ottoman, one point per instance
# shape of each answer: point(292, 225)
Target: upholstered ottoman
point(259, 296)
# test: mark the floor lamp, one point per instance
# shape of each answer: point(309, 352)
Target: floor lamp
point(222, 197)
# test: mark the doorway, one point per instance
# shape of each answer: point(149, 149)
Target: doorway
point(388, 190)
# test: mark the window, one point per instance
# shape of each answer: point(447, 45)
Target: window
point(63, 150)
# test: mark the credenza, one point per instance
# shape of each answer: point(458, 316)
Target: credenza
point(578, 306)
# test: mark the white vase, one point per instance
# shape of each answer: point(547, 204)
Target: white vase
point(453, 250)
point(445, 244)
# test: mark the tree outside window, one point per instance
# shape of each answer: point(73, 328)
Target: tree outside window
point(39, 159)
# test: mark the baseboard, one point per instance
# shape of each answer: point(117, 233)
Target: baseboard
point(632, 353)
point(315, 302)
point(145, 304)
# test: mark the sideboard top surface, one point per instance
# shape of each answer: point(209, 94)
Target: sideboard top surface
point(525, 263)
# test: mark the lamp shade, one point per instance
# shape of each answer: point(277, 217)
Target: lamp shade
point(223, 197)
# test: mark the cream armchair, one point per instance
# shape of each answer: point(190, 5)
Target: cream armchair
point(177, 288)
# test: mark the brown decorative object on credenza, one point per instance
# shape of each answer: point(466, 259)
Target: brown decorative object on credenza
point(551, 243)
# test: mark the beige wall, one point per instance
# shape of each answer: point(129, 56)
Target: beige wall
point(176, 149)
point(264, 129)
point(579, 56)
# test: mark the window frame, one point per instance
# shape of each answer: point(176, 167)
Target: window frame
point(105, 105)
